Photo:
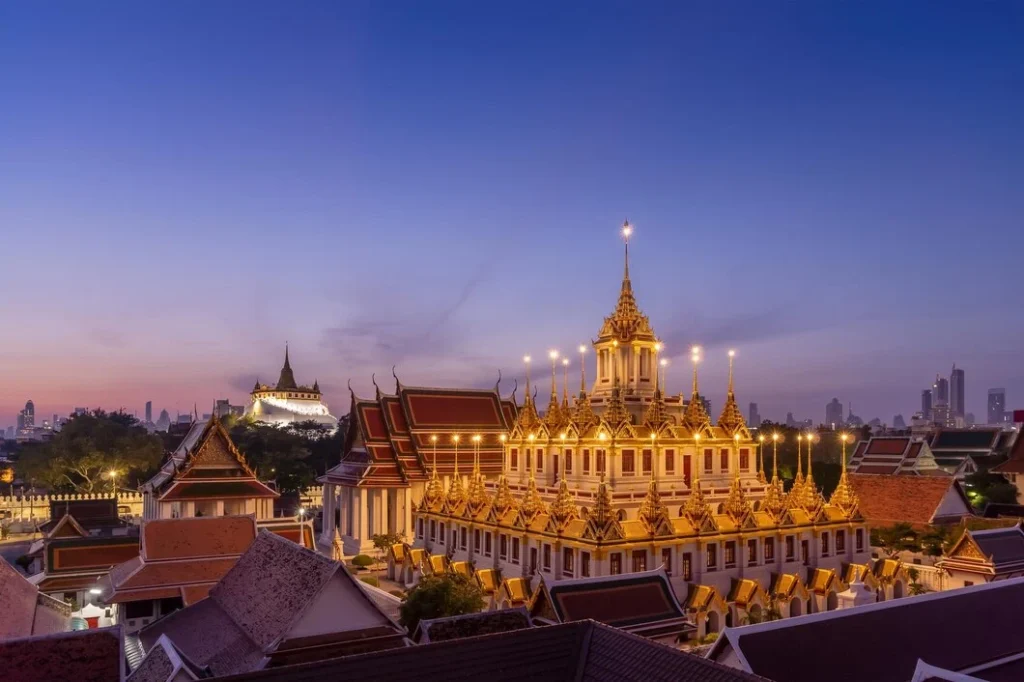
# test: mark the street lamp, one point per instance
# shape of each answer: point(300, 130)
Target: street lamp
point(113, 481)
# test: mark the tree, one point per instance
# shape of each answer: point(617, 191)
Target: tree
point(915, 587)
point(382, 543)
point(82, 455)
point(895, 539)
point(441, 595)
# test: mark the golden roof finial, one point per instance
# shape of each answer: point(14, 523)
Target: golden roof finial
point(564, 508)
point(477, 496)
point(503, 499)
point(603, 512)
point(553, 417)
point(532, 503)
point(528, 417)
point(760, 458)
point(583, 369)
point(696, 415)
point(652, 509)
point(627, 322)
point(434, 492)
point(736, 505)
point(565, 389)
point(844, 496)
point(731, 418)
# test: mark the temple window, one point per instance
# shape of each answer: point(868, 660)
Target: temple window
point(670, 461)
point(463, 538)
point(840, 541)
point(769, 549)
point(687, 566)
point(547, 557)
point(442, 534)
point(724, 459)
point(639, 560)
point(805, 552)
point(586, 461)
point(615, 563)
point(513, 456)
point(752, 552)
point(419, 528)
point(744, 459)
point(790, 548)
point(533, 560)
point(539, 459)
point(603, 362)
point(666, 559)
point(647, 463)
point(686, 469)
point(860, 539)
point(568, 461)
point(730, 554)
point(628, 465)
point(487, 544)
point(568, 563)
point(712, 552)
point(433, 531)
point(515, 550)
point(503, 547)
point(585, 564)
point(476, 540)
point(709, 461)
point(455, 537)
point(601, 462)
point(824, 544)
point(554, 465)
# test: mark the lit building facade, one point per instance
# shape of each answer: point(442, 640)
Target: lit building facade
point(286, 401)
point(622, 478)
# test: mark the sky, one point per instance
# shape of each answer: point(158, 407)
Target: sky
point(832, 189)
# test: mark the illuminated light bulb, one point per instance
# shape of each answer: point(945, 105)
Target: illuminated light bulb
point(732, 353)
point(553, 354)
point(583, 349)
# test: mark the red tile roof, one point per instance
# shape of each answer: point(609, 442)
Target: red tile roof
point(24, 611)
point(887, 446)
point(886, 500)
point(197, 537)
point(82, 656)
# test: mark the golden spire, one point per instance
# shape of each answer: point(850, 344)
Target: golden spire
point(503, 499)
point(812, 496)
point(696, 416)
point(736, 505)
point(528, 414)
point(456, 493)
point(435, 489)
point(553, 417)
point(565, 389)
point(564, 508)
point(656, 415)
point(652, 509)
point(732, 418)
point(603, 512)
point(627, 322)
point(760, 458)
point(844, 495)
point(583, 370)
point(477, 496)
point(532, 503)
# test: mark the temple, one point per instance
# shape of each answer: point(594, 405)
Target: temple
point(286, 401)
point(621, 478)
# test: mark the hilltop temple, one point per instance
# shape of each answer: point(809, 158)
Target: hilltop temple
point(286, 401)
point(621, 478)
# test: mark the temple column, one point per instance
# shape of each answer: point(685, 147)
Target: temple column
point(407, 509)
point(385, 511)
point(327, 500)
point(364, 516)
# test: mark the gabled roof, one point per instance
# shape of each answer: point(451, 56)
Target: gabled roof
point(24, 611)
point(644, 603)
point(917, 500)
point(82, 656)
point(893, 455)
point(273, 607)
point(975, 438)
point(1015, 464)
point(164, 663)
point(89, 514)
point(471, 625)
point(181, 557)
point(994, 552)
point(889, 637)
point(571, 651)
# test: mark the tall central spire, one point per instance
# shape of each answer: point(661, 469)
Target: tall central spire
point(286, 381)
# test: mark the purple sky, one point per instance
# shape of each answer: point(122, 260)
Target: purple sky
point(832, 188)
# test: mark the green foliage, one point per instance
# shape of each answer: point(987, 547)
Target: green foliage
point(382, 543)
point(292, 455)
point(81, 455)
point(897, 538)
point(983, 487)
point(362, 561)
point(370, 580)
point(441, 595)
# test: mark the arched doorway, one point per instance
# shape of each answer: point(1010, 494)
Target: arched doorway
point(897, 589)
point(832, 602)
point(796, 607)
point(714, 622)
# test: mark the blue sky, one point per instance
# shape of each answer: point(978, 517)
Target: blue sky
point(832, 188)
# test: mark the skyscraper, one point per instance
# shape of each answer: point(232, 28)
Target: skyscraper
point(29, 414)
point(834, 413)
point(149, 411)
point(956, 392)
point(996, 405)
point(898, 422)
point(926, 403)
point(941, 389)
point(754, 417)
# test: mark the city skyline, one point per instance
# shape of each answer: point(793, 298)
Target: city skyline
point(269, 185)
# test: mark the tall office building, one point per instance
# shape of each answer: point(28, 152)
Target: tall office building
point(926, 403)
point(27, 418)
point(754, 417)
point(149, 411)
point(996, 405)
point(956, 392)
point(834, 414)
point(941, 388)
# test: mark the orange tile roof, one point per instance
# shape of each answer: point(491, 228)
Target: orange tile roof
point(197, 537)
point(912, 499)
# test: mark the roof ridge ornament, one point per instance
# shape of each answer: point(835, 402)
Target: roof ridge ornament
point(731, 418)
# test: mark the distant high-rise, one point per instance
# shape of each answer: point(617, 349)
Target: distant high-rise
point(164, 421)
point(956, 392)
point(996, 405)
point(790, 420)
point(941, 388)
point(834, 414)
point(926, 403)
point(30, 414)
point(149, 411)
point(969, 419)
point(753, 416)
point(898, 422)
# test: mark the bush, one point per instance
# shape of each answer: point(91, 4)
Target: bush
point(440, 595)
point(362, 561)
point(371, 580)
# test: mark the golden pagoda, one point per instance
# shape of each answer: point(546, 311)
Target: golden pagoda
point(564, 508)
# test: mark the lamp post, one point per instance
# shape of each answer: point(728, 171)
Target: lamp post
point(760, 457)
point(844, 437)
point(113, 481)
point(775, 456)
